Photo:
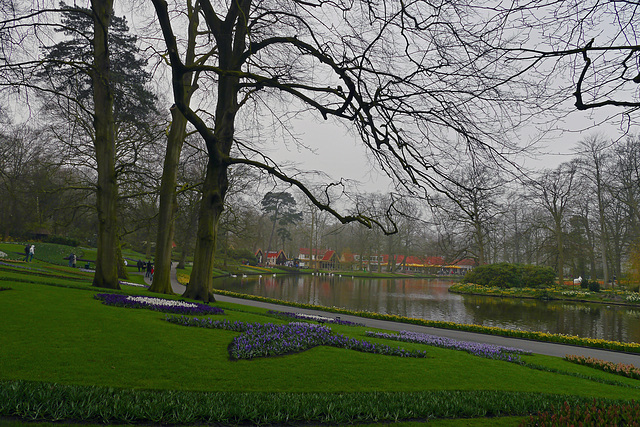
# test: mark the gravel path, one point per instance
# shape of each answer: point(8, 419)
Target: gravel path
point(538, 347)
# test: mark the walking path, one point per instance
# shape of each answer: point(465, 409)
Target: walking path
point(538, 347)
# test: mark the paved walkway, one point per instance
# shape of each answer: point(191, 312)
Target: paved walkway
point(538, 347)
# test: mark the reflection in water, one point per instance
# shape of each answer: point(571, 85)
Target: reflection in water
point(429, 299)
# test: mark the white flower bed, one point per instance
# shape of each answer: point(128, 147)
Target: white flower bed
point(161, 302)
point(312, 317)
point(576, 294)
point(633, 297)
point(133, 284)
point(2, 255)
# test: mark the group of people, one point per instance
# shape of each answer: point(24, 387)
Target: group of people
point(29, 252)
point(147, 267)
point(72, 260)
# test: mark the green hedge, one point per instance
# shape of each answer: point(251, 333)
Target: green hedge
point(507, 275)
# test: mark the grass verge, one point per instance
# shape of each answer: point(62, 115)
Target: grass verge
point(67, 357)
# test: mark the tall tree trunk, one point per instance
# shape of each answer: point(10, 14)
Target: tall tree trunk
point(122, 269)
point(214, 190)
point(183, 259)
point(106, 275)
point(560, 248)
point(168, 204)
point(175, 139)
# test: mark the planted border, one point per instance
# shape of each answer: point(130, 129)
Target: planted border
point(55, 402)
point(622, 369)
point(265, 340)
point(489, 351)
point(594, 413)
point(157, 304)
point(490, 330)
point(311, 317)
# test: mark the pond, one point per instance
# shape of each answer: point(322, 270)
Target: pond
point(429, 299)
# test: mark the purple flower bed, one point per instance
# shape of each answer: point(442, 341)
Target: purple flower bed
point(489, 351)
point(158, 304)
point(262, 340)
point(319, 319)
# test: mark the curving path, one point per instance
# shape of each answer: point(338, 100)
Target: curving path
point(538, 347)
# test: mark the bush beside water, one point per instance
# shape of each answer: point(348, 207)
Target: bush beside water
point(507, 275)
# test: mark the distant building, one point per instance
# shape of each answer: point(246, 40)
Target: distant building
point(325, 259)
point(409, 264)
point(272, 258)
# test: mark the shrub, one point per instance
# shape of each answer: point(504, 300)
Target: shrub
point(61, 240)
point(593, 285)
point(536, 275)
point(243, 255)
point(506, 275)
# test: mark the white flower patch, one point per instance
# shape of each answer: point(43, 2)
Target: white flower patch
point(132, 284)
point(161, 301)
point(313, 317)
point(633, 297)
point(2, 255)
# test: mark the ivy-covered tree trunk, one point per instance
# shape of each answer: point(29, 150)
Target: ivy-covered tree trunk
point(106, 275)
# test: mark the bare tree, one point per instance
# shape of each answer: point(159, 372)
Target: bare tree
point(594, 159)
point(555, 191)
point(596, 44)
point(406, 76)
point(475, 204)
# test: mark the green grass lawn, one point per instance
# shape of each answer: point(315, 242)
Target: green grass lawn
point(62, 335)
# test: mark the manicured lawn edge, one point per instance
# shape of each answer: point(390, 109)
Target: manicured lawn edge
point(490, 330)
point(54, 402)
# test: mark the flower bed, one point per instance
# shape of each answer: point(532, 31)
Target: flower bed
point(139, 285)
point(591, 414)
point(319, 319)
point(157, 304)
point(489, 351)
point(262, 340)
point(629, 371)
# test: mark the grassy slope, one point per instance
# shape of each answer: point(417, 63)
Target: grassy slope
point(63, 335)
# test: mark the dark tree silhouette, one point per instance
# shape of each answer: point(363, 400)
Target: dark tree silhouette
point(414, 80)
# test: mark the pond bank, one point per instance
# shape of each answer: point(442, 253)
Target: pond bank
point(569, 294)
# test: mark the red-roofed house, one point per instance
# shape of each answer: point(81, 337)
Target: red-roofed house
point(272, 258)
point(325, 259)
point(412, 263)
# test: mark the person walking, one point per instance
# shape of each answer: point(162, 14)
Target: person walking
point(26, 252)
point(32, 252)
point(149, 268)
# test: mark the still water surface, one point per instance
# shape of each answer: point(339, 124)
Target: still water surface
point(430, 299)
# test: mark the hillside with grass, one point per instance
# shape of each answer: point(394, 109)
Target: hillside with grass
point(71, 354)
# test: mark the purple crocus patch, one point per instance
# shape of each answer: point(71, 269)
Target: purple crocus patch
point(158, 304)
point(262, 340)
point(489, 351)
